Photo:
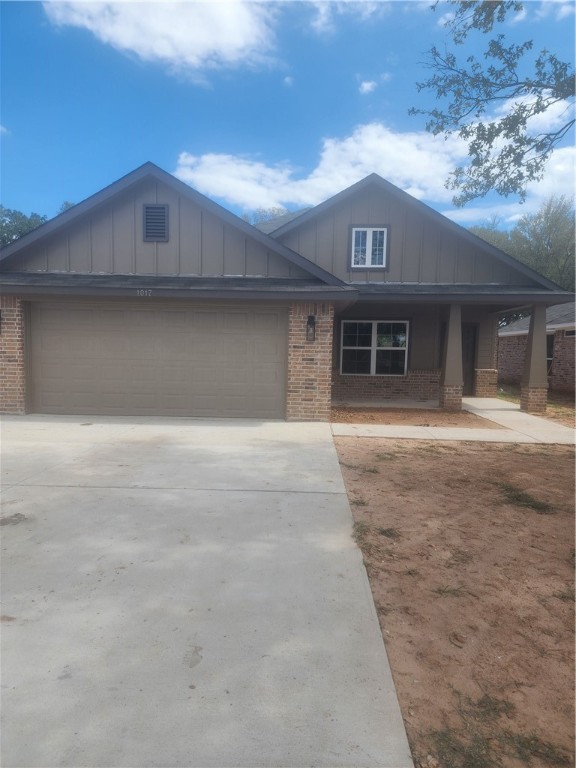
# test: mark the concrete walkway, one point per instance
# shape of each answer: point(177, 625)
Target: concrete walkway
point(520, 427)
point(186, 593)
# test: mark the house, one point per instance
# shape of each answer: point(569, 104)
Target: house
point(560, 348)
point(150, 299)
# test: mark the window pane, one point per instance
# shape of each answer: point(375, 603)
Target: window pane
point(390, 362)
point(378, 245)
point(356, 361)
point(357, 335)
point(359, 255)
point(391, 334)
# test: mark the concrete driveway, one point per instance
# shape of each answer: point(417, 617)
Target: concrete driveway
point(186, 593)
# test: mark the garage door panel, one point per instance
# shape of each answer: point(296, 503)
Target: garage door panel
point(224, 361)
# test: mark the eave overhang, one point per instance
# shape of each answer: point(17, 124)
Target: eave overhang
point(502, 295)
point(36, 285)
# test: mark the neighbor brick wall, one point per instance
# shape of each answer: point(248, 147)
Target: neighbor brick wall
point(485, 382)
point(511, 353)
point(309, 363)
point(416, 385)
point(562, 374)
point(12, 360)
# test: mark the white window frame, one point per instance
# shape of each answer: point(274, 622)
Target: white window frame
point(369, 235)
point(374, 347)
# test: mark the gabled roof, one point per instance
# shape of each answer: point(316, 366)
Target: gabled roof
point(152, 171)
point(557, 317)
point(376, 181)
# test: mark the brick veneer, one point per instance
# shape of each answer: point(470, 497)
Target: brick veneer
point(485, 382)
point(451, 397)
point(511, 353)
point(416, 385)
point(533, 399)
point(12, 360)
point(309, 363)
point(562, 373)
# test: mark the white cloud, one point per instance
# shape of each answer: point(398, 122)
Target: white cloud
point(3, 130)
point(288, 81)
point(559, 9)
point(367, 86)
point(417, 162)
point(445, 19)
point(185, 36)
point(326, 10)
point(414, 161)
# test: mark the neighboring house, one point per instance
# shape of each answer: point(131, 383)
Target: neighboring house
point(560, 348)
point(150, 299)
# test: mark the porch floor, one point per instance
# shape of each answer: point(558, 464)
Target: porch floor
point(385, 403)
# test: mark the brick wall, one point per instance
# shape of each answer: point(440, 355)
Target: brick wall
point(533, 399)
point(451, 397)
point(12, 360)
point(511, 353)
point(309, 363)
point(485, 382)
point(562, 374)
point(416, 385)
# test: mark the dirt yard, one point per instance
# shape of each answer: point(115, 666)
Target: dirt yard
point(469, 549)
point(412, 417)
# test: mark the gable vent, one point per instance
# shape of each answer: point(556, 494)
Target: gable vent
point(156, 223)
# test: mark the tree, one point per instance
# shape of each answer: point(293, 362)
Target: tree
point(264, 214)
point(14, 224)
point(543, 240)
point(505, 151)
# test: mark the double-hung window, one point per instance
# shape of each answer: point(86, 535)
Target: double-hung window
point(374, 347)
point(369, 246)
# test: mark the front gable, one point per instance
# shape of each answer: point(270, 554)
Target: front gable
point(105, 235)
point(422, 246)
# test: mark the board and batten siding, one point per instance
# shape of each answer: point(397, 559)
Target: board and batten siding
point(109, 240)
point(420, 251)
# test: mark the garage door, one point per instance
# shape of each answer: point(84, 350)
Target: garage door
point(192, 360)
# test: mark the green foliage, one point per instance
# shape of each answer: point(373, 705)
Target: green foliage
point(264, 214)
point(14, 224)
point(505, 153)
point(543, 240)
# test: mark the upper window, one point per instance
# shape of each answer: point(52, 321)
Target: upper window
point(155, 223)
point(374, 347)
point(369, 247)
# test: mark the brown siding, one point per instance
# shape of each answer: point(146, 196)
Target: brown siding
point(109, 240)
point(421, 250)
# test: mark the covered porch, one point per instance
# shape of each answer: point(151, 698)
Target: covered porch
point(391, 351)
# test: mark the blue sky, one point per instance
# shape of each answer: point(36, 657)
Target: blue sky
point(255, 104)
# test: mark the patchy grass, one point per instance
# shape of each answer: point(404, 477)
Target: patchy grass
point(520, 498)
point(390, 533)
point(449, 591)
point(482, 742)
point(566, 594)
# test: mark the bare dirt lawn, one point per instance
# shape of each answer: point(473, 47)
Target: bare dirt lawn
point(413, 417)
point(469, 549)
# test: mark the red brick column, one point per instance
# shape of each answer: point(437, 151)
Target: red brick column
point(485, 382)
point(309, 363)
point(12, 360)
point(533, 399)
point(451, 397)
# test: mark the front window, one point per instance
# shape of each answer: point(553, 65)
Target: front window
point(374, 347)
point(369, 247)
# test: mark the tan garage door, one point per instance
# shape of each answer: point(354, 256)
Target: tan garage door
point(116, 359)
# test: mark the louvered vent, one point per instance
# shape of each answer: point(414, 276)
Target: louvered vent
point(156, 223)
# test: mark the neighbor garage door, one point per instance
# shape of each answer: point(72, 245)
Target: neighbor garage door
point(193, 360)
